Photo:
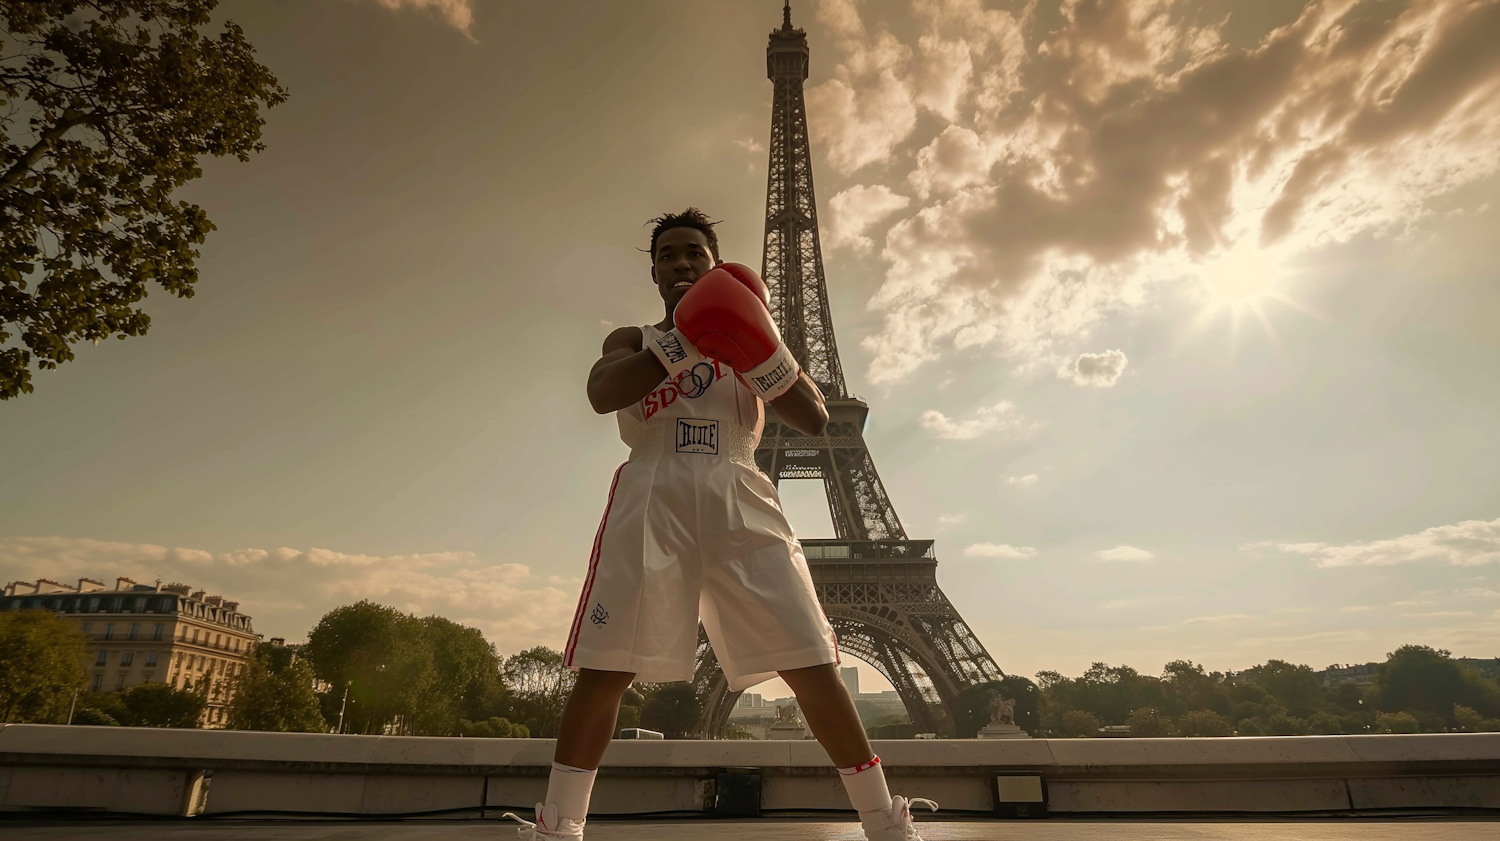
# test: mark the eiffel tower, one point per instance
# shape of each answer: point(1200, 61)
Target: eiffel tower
point(878, 588)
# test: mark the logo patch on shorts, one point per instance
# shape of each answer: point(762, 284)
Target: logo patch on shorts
point(696, 435)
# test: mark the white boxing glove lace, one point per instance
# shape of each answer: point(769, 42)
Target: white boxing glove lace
point(674, 351)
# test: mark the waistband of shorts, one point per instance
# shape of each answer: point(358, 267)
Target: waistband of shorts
point(659, 437)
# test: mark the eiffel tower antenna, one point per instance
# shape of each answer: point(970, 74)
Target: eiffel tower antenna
point(878, 588)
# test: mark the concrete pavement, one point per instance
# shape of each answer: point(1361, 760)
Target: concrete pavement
point(765, 830)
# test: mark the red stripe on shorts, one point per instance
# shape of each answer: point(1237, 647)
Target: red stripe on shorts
point(588, 584)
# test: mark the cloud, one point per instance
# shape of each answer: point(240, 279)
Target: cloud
point(1437, 614)
point(1124, 553)
point(1101, 370)
point(458, 13)
point(951, 519)
point(1469, 543)
point(1021, 481)
point(1318, 637)
point(286, 590)
point(750, 145)
point(1356, 608)
point(852, 212)
point(1074, 166)
point(1001, 417)
point(1216, 620)
point(956, 159)
point(998, 550)
point(867, 108)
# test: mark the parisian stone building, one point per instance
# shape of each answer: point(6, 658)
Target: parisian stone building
point(144, 633)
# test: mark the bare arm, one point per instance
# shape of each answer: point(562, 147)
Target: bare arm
point(624, 374)
point(802, 407)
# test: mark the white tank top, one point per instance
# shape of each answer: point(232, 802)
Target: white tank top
point(709, 391)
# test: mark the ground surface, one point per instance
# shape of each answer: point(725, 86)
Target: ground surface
point(767, 830)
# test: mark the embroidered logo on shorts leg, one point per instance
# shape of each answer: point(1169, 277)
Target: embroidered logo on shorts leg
point(696, 435)
point(599, 615)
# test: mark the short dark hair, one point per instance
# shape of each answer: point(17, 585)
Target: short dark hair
point(690, 218)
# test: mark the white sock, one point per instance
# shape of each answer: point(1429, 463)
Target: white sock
point(866, 786)
point(569, 789)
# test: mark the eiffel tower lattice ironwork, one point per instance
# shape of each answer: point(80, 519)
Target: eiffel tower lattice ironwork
point(878, 588)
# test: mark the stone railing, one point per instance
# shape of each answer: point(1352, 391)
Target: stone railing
point(203, 772)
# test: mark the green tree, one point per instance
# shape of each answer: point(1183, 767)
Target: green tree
point(1417, 677)
point(41, 666)
point(380, 655)
point(1293, 686)
point(159, 705)
point(1470, 721)
point(90, 716)
point(1079, 724)
point(1402, 722)
point(1149, 722)
point(539, 684)
point(122, 99)
point(466, 675)
point(671, 710)
point(272, 697)
point(1187, 687)
point(1203, 723)
point(492, 728)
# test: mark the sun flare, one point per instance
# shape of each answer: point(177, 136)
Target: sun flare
point(1241, 279)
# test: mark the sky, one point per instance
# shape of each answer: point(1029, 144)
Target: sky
point(1175, 317)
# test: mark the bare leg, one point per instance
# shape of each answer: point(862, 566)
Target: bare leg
point(830, 713)
point(588, 721)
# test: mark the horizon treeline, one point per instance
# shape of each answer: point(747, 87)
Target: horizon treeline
point(372, 669)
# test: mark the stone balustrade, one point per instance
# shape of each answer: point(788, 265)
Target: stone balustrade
point(208, 772)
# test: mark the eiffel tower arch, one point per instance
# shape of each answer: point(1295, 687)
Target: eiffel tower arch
point(878, 588)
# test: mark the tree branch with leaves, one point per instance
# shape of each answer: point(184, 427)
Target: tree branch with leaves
point(120, 100)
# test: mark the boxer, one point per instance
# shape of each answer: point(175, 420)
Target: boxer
point(693, 531)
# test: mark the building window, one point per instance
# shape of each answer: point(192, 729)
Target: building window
point(149, 677)
point(114, 604)
point(88, 626)
point(140, 604)
point(135, 630)
point(102, 658)
point(156, 632)
point(120, 682)
point(217, 638)
point(93, 605)
point(98, 682)
point(151, 658)
point(236, 645)
point(195, 635)
point(126, 658)
point(109, 631)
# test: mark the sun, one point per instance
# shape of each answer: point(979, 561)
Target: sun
point(1241, 279)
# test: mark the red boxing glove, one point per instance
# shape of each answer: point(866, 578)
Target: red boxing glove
point(726, 319)
point(746, 275)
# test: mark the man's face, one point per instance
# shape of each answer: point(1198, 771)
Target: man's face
point(682, 256)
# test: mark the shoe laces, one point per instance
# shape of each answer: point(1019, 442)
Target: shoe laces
point(905, 816)
point(530, 831)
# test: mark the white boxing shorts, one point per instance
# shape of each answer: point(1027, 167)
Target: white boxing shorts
point(693, 530)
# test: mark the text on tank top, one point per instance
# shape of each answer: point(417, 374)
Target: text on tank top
point(708, 390)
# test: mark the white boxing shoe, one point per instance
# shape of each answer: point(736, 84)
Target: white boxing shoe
point(548, 827)
point(895, 823)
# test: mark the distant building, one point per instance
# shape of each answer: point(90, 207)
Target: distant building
point(144, 633)
point(851, 679)
point(1360, 675)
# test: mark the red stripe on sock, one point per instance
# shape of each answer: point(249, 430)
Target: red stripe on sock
point(862, 767)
